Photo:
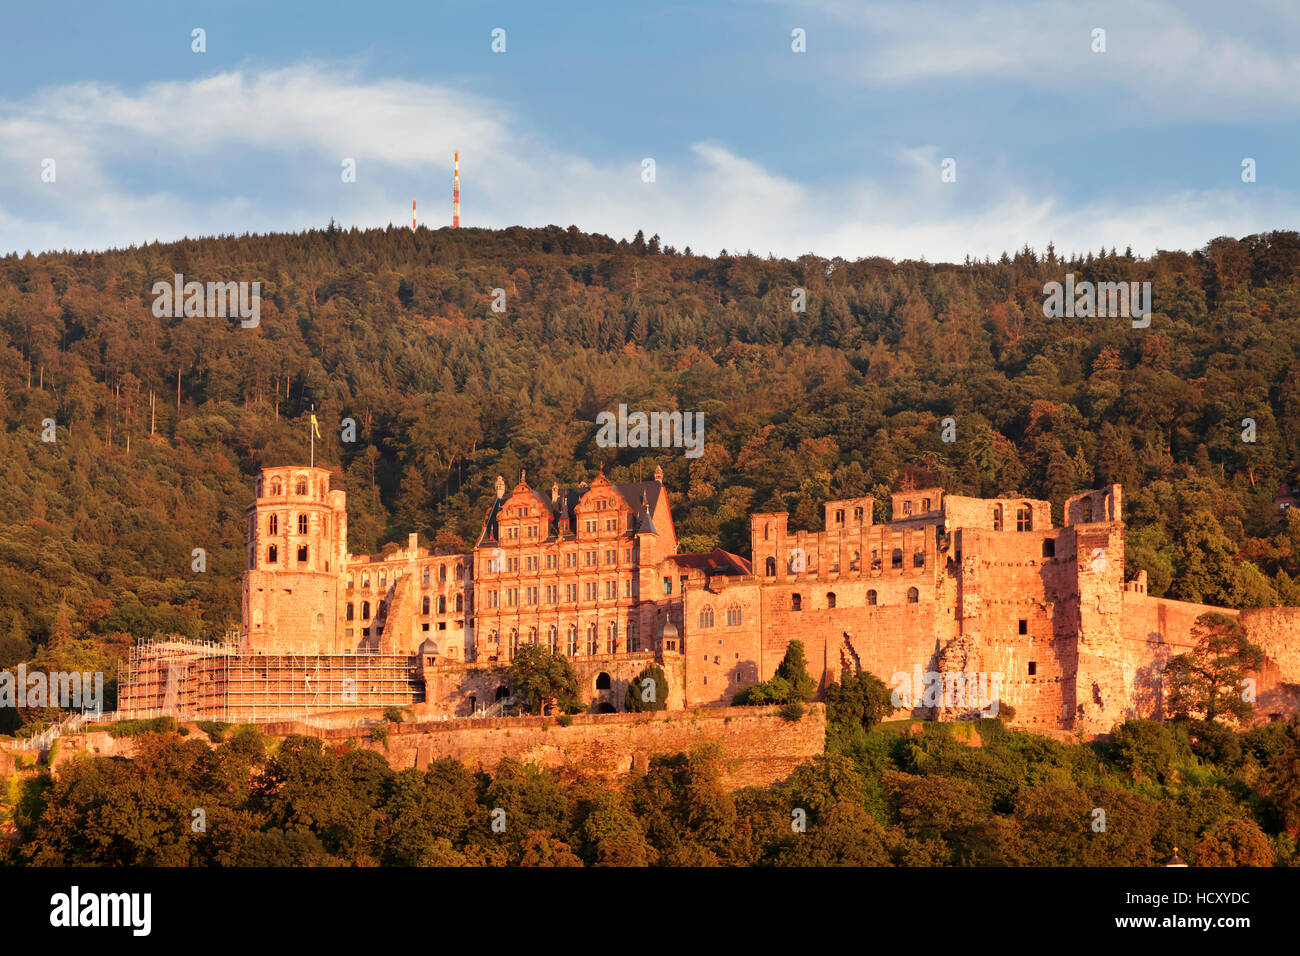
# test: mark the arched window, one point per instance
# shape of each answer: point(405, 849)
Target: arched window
point(350, 611)
point(532, 635)
point(302, 524)
point(275, 487)
point(460, 573)
point(871, 598)
point(424, 605)
point(770, 567)
point(633, 639)
point(272, 554)
point(424, 575)
point(591, 639)
point(302, 554)
point(830, 598)
point(1024, 518)
point(273, 524)
point(913, 595)
point(365, 610)
point(997, 517)
point(494, 637)
point(514, 642)
point(460, 603)
point(302, 486)
point(733, 616)
point(442, 572)
point(552, 640)
point(351, 582)
point(571, 639)
point(796, 602)
point(365, 581)
point(918, 559)
point(611, 637)
point(897, 559)
point(706, 617)
point(767, 532)
point(853, 561)
point(1085, 510)
point(383, 579)
point(442, 604)
point(602, 681)
point(1049, 548)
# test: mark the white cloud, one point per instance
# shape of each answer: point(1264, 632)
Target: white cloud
point(261, 151)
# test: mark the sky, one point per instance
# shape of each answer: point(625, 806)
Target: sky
point(838, 150)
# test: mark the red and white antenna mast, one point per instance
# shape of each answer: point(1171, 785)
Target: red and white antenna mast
point(412, 215)
point(455, 194)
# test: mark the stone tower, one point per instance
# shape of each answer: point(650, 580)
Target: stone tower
point(297, 544)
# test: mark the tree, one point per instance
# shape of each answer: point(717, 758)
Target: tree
point(855, 705)
point(540, 676)
point(1208, 681)
point(1234, 843)
point(791, 682)
point(651, 683)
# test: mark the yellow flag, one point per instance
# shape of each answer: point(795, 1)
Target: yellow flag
point(315, 427)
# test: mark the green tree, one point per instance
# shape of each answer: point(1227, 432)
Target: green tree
point(1209, 680)
point(540, 676)
point(651, 683)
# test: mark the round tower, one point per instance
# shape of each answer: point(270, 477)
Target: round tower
point(297, 539)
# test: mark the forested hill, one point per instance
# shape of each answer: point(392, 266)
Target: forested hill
point(396, 330)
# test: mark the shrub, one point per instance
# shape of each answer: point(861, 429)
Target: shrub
point(215, 729)
point(793, 711)
point(134, 728)
point(564, 720)
point(394, 715)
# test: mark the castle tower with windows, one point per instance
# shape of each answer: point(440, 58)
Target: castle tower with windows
point(297, 544)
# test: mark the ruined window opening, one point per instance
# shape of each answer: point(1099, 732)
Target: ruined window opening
point(1033, 668)
point(302, 553)
point(770, 567)
point(897, 558)
point(830, 598)
point(871, 598)
point(796, 602)
point(272, 554)
point(1024, 519)
point(1024, 626)
point(602, 681)
point(1049, 548)
point(997, 518)
point(913, 596)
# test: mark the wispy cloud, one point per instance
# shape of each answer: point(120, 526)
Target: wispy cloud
point(253, 150)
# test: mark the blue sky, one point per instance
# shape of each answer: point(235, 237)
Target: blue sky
point(835, 151)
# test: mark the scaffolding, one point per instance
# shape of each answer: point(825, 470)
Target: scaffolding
point(216, 681)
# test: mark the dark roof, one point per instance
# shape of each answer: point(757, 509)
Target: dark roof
point(716, 561)
point(632, 494)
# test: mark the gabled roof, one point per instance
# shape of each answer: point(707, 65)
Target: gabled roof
point(716, 561)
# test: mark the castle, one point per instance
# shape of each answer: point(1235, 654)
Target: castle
point(951, 585)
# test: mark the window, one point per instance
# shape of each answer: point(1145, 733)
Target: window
point(871, 598)
point(302, 524)
point(897, 558)
point(1024, 519)
point(512, 564)
point(571, 559)
point(602, 681)
point(770, 567)
point(302, 486)
point(351, 582)
point(570, 592)
point(857, 515)
point(552, 640)
point(706, 617)
point(839, 516)
point(767, 532)
point(1033, 668)
point(925, 505)
point(611, 638)
point(442, 604)
point(530, 597)
point(611, 590)
point(571, 639)
point(275, 487)
point(365, 581)
point(633, 640)
point(302, 554)
point(365, 610)
point(383, 579)
point(733, 616)
point(611, 557)
point(424, 606)
point(552, 593)
point(424, 576)
point(460, 603)
point(272, 524)
point(830, 598)
point(591, 590)
point(550, 562)
point(493, 597)
point(796, 602)
point(512, 597)
point(442, 572)
point(907, 508)
point(272, 554)
point(514, 642)
point(350, 610)
point(1024, 626)
point(997, 518)
point(913, 596)
point(1049, 548)
point(918, 559)
point(668, 585)
point(592, 647)
point(460, 573)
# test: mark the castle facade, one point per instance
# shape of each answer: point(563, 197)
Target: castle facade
point(983, 589)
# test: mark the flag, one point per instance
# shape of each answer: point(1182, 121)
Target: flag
point(314, 426)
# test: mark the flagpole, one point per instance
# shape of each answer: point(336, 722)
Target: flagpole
point(311, 428)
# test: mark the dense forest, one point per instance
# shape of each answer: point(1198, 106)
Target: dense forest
point(897, 794)
point(160, 423)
